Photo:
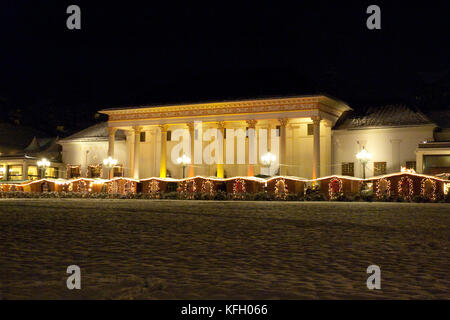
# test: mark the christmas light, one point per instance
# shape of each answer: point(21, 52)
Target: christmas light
point(208, 187)
point(402, 184)
point(334, 194)
point(424, 192)
point(406, 170)
point(239, 188)
point(383, 188)
point(281, 189)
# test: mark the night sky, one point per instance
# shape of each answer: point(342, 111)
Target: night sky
point(168, 52)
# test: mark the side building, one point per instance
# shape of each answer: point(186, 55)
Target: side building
point(396, 136)
point(21, 150)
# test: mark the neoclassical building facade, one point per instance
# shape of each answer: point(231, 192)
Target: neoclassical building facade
point(311, 136)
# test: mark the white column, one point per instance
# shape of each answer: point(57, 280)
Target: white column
point(283, 164)
point(111, 138)
point(251, 148)
point(163, 166)
point(137, 145)
point(316, 147)
point(25, 171)
point(219, 151)
point(191, 171)
point(130, 151)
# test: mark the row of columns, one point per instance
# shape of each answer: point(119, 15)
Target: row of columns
point(134, 158)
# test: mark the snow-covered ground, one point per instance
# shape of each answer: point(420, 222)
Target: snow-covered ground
point(218, 250)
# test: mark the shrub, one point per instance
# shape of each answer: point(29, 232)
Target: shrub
point(315, 195)
point(220, 195)
point(169, 195)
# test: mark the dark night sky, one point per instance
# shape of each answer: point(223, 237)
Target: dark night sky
point(170, 52)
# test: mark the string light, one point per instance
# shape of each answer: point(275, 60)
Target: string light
point(334, 194)
point(424, 192)
point(208, 187)
point(239, 188)
point(154, 189)
point(281, 189)
point(402, 183)
point(383, 191)
point(189, 185)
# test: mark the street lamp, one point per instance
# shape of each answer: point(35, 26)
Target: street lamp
point(363, 156)
point(43, 164)
point(109, 163)
point(183, 160)
point(267, 159)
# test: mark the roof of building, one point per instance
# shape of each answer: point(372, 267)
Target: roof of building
point(383, 116)
point(96, 132)
point(214, 101)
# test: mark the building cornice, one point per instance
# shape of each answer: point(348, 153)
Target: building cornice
point(320, 102)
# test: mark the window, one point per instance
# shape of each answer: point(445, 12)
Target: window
point(169, 135)
point(142, 136)
point(73, 172)
point(118, 171)
point(224, 133)
point(348, 169)
point(310, 129)
point(95, 171)
point(33, 173)
point(411, 165)
point(246, 132)
point(278, 128)
point(51, 172)
point(15, 173)
point(379, 168)
point(435, 164)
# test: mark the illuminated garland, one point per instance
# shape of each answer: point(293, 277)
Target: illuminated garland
point(281, 189)
point(113, 187)
point(188, 188)
point(129, 187)
point(239, 188)
point(154, 189)
point(383, 191)
point(334, 194)
point(208, 187)
point(424, 189)
point(406, 182)
point(446, 188)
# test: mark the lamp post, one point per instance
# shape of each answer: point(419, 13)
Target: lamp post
point(43, 164)
point(267, 159)
point(183, 160)
point(109, 163)
point(363, 156)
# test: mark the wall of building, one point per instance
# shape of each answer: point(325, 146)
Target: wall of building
point(299, 155)
point(92, 153)
point(394, 146)
point(299, 152)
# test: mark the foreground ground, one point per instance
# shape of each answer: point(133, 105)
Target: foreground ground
point(222, 250)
